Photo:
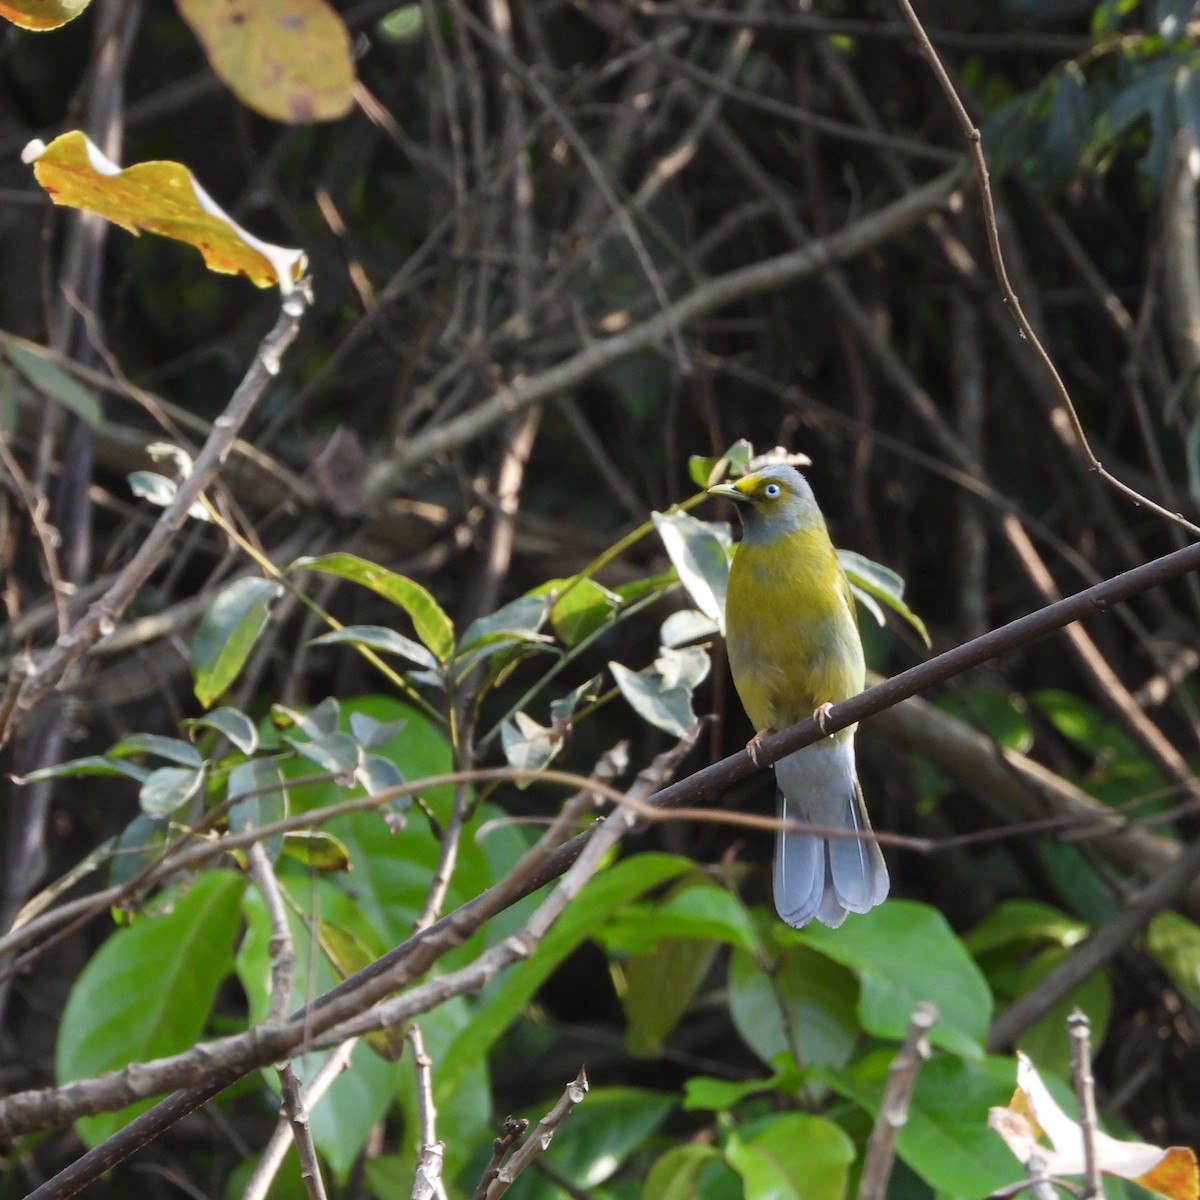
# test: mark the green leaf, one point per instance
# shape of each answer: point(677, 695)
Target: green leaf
point(1069, 125)
point(699, 551)
point(720, 1095)
point(371, 734)
point(658, 987)
point(228, 632)
point(662, 694)
point(1004, 717)
point(800, 1010)
point(698, 909)
point(172, 749)
point(883, 946)
point(348, 953)
point(791, 1157)
point(1075, 719)
point(113, 1018)
point(1150, 96)
point(578, 608)
point(946, 1139)
point(337, 752)
point(871, 579)
point(51, 380)
point(1174, 942)
point(563, 709)
point(169, 788)
point(231, 723)
point(686, 626)
point(1024, 923)
point(355, 1104)
point(317, 850)
point(317, 723)
point(685, 1173)
point(602, 895)
point(376, 637)
point(521, 619)
point(704, 471)
point(82, 767)
point(1108, 16)
point(1045, 1042)
point(377, 775)
point(161, 491)
point(141, 843)
point(433, 627)
point(258, 797)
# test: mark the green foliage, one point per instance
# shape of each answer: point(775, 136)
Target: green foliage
point(113, 1016)
point(821, 1011)
point(43, 373)
point(792, 1157)
point(1174, 942)
point(227, 634)
point(882, 947)
point(1016, 946)
point(434, 628)
point(1133, 92)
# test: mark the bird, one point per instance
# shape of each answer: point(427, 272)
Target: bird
point(794, 650)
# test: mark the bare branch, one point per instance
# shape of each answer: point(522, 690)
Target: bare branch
point(105, 612)
point(512, 1129)
point(427, 1182)
point(975, 144)
point(272, 1156)
point(537, 1142)
point(297, 1120)
point(893, 1109)
point(767, 275)
point(1079, 1029)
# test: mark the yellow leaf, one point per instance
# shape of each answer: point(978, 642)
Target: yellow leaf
point(287, 59)
point(1175, 1176)
point(163, 198)
point(40, 15)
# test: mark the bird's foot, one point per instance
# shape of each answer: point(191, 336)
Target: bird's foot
point(753, 744)
point(821, 715)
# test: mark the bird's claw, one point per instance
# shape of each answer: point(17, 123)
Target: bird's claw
point(753, 744)
point(821, 715)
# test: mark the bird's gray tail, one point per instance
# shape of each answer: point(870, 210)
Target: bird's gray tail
point(818, 876)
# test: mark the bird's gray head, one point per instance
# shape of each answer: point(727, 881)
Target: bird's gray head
point(774, 501)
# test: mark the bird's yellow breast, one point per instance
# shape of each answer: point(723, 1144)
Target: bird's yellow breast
point(791, 631)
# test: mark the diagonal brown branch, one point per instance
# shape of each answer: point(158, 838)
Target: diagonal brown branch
point(107, 610)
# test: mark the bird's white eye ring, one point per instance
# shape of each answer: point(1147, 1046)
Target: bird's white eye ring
point(772, 490)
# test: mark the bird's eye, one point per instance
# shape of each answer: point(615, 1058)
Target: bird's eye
point(772, 490)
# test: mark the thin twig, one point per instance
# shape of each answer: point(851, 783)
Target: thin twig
point(512, 1129)
point(427, 1180)
point(279, 946)
point(105, 612)
point(296, 1113)
point(283, 959)
point(1079, 1029)
point(893, 1109)
point(975, 145)
point(537, 1142)
point(276, 1149)
point(767, 275)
